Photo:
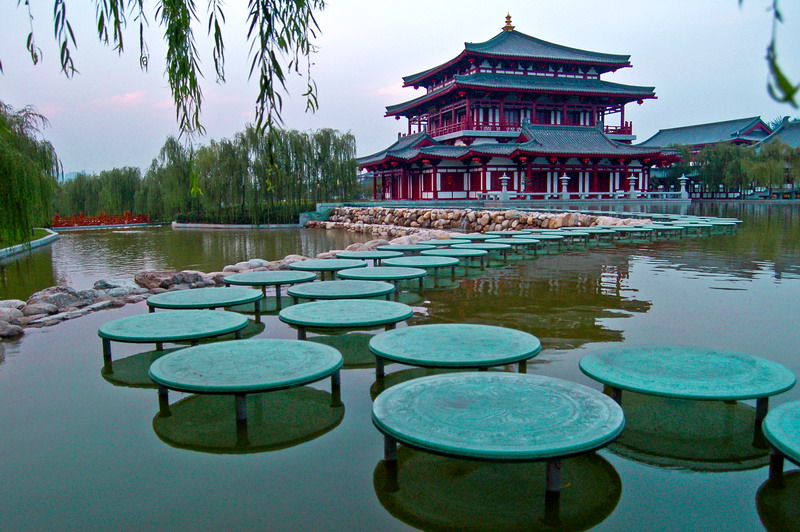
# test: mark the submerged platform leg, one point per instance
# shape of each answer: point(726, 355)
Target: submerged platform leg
point(389, 449)
point(301, 333)
point(553, 479)
point(163, 402)
point(106, 350)
point(762, 406)
point(241, 407)
point(776, 468)
point(379, 370)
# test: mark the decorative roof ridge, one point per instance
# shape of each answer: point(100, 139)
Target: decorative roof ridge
point(749, 120)
point(508, 34)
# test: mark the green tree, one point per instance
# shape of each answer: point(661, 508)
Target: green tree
point(28, 170)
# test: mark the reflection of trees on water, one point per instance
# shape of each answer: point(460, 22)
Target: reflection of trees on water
point(559, 298)
point(19, 274)
point(81, 258)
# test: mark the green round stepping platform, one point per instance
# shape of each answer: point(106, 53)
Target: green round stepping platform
point(488, 246)
point(341, 290)
point(456, 345)
point(270, 278)
point(446, 242)
point(275, 278)
point(406, 248)
point(497, 416)
point(170, 326)
point(507, 234)
point(455, 252)
point(475, 237)
point(782, 429)
point(374, 255)
point(521, 241)
point(345, 313)
point(326, 265)
point(422, 261)
point(545, 237)
point(245, 366)
point(200, 298)
point(685, 372)
point(384, 273)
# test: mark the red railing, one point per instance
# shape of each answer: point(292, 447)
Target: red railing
point(624, 129)
point(103, 218)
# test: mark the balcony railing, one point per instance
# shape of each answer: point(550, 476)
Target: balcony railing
point(472, 125)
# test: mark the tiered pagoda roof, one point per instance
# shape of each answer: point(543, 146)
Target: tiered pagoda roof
point(533, 141)
point(747, 130)
point(511, 44)
point(525, 84)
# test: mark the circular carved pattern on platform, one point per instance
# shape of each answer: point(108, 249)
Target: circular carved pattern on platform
point(455, 345)
point(246, 366)
point(346, 313)
point(687, 372)
point(173, 326)
point(506, 416)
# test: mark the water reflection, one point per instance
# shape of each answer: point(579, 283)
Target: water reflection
point(709, 436)
point(561, 299)
point(353, 346)
point(79, 258)
point(433, 492)
point(779, 508)
point(133, 371)
point(275, 420)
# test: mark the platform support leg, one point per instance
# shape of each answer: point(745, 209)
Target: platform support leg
point(277, 296)
point(336, 380)
point(553, 479)
point(389, 449)
point(163, 402)
point(238, 334)
point(106, 350)
point(241, 407)
point(301, 333)
point(150, 309)
point(379, 369)
point(762, 406)
point(258, 311)
point(159, 346)
point(776, 468)
point(390, 326)
point(421, 282)
point(195, 342)
point(523, 366)
point(616, 395)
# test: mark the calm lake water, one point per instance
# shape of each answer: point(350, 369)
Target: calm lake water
point(82, 449)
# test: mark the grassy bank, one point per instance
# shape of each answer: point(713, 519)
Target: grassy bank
point(36, 234)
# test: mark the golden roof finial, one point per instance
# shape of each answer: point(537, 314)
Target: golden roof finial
point(508, 26)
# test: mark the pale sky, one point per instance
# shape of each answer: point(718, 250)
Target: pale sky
point(704, 57)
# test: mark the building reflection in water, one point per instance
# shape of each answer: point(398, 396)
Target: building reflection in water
point(561, 299)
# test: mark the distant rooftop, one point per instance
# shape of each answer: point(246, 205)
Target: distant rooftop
point(747, 130)
point(788, 133)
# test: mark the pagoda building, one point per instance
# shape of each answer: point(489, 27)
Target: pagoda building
point(518, 107)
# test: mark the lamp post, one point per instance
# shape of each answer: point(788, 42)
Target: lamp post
point(682, 181)
point(564, 180)
point(504, 196)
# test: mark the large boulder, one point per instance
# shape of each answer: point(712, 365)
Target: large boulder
point(12, 303)
point(10, 314)
point(155, 278)
point(63, 297)
point(110, 284)
point(7, 330)
point(39, 308)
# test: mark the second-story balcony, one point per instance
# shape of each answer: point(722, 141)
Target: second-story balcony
point(471, 125)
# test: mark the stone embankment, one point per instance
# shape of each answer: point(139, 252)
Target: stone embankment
point(393, 222)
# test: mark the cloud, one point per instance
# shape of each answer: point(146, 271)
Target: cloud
point(128, 99)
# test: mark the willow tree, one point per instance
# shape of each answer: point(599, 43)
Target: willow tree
point(28, 170)
point(280, 33)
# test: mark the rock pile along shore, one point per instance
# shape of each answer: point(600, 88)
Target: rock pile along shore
point(404, 226)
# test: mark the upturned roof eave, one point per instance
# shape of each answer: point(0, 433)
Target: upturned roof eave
point(400, 108)
point(419, 77)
